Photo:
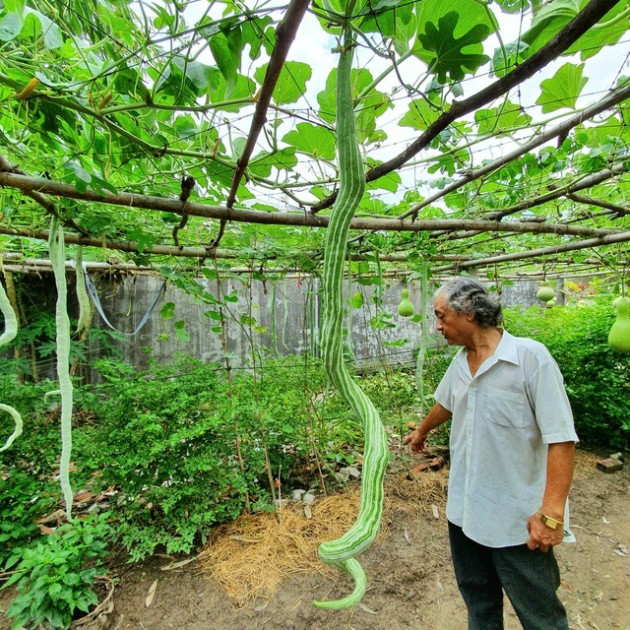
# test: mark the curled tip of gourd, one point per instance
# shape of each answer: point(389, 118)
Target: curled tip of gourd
point(405, 308)
point(354, 569)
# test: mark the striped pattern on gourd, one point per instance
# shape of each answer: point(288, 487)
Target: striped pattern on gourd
point(10, 331)
point(85, 311)
point(342, 552)
point(56, 248)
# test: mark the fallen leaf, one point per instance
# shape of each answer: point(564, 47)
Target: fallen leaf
point(45, 530)
point(364, 608)
point(436, 512)
point(151, 594)
point(406, 535)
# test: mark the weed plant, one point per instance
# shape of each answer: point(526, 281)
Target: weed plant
point(55, 577)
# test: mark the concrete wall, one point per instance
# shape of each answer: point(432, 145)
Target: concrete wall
point(269, 318)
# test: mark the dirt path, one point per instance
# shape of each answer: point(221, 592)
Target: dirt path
point(411, 583)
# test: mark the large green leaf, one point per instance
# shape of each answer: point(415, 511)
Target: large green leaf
point(284, 160)
point(448, 54)
point(50, 31)
point(311, 139)
point(10, 26)
point(291, 83)
point(563, 89)
point(226, 47)
point(420, 115)
point(501, 120)
point(548, 19)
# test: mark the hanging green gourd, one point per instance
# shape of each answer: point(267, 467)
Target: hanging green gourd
point(619, 335)
point(85, 309)
point(619, 298)
point(545, 292)
point(10, 331)
point(405, 308)
point(342, 552)
point(56, 247)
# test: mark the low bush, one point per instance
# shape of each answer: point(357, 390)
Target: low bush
point(596, 377)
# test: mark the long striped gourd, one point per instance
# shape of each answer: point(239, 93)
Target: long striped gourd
point(10, 331)
point(56, 248)
point(85, 310)
point(342, 552)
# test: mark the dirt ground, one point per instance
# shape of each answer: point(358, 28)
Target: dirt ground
point(410, 579)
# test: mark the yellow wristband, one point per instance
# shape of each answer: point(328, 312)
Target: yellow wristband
point(551, 522)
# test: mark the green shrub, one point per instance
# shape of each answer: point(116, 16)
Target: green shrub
point(27, 489)
point(166, 439)
point(597, 378)
point(55, 577)
point(163, 440)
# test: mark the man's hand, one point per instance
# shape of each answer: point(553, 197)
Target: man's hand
point(417, 440)
point(540, 536)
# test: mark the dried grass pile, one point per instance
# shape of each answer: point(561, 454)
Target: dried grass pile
point(251, 556)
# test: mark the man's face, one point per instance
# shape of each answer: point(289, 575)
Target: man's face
point(454, 327)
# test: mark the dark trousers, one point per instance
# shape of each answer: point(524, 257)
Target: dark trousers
point(529, 578)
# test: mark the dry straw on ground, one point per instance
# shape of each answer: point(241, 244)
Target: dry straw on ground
point(251, 556)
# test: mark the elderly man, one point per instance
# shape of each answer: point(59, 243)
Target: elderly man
point(512, 457)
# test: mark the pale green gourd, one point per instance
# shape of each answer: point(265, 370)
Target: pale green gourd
point(10, 331)
point(545, 292)
point(56, 247)
point(342, 552)
point(619, 298)
point(405, 308)
point(85, 310)
point(619, 335)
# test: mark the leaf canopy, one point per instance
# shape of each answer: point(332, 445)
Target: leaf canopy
point(493, 134)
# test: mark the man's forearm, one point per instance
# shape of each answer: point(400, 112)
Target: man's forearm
point(560, 466)
point(437, 416)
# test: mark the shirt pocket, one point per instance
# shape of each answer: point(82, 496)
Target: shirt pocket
point(504, 408)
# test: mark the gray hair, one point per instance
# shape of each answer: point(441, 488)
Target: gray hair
point(466, 295)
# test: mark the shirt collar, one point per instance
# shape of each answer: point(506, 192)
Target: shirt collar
point(506, 350)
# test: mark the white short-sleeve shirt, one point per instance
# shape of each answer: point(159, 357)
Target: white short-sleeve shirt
point(503, 418)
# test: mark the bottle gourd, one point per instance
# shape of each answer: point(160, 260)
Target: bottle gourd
point(405, 308)
point(619, 335)
point(545, 292)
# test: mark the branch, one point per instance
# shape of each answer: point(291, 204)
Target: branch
point(166, 250)
point(562, 129)
point(160, 204)
point(7, 167)
point(285, 34)
point(556, 193)
point(579, 25)
point(600, 203)
point(621, 237)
